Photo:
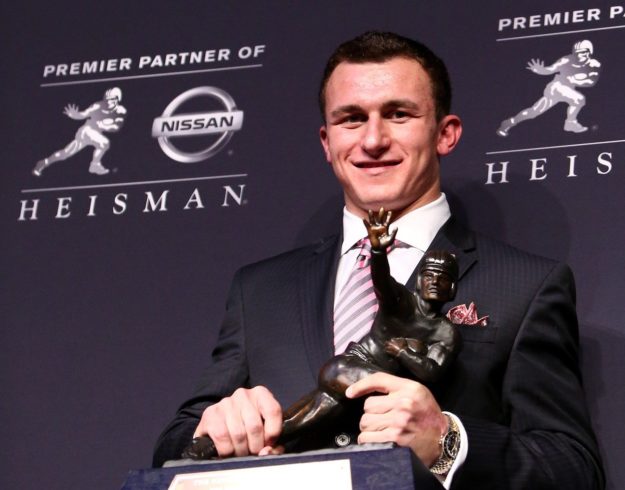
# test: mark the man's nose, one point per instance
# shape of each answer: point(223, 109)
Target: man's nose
point(376, 139)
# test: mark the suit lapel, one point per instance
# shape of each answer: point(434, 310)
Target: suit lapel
point(458, 240)
point(316, 293)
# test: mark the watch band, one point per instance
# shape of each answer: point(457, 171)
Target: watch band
point(450, 446)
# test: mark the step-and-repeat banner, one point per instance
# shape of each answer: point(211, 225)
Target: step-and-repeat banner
point(151, 149)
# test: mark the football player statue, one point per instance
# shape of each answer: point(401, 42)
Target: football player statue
point(409, 337)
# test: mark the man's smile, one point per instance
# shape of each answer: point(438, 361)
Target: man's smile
point(376, 164)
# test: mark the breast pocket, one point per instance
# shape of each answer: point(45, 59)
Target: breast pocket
point(474, 333)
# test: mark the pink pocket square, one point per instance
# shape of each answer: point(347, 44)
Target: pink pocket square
point(463, 315)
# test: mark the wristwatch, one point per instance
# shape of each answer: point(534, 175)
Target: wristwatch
point(450, 446)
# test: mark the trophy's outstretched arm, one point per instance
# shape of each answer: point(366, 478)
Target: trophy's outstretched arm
point(391, 295)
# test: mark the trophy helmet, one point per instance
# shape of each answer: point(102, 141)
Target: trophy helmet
point(584, 45)
point(113, 93)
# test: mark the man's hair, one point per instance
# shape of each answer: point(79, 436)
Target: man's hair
point(378, 47)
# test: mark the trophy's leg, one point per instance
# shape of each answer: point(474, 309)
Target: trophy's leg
point(308, 411)
point(328, 402)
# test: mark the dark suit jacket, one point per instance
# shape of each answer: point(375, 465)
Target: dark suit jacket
point(516, 384)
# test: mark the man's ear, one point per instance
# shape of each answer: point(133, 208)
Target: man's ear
point(449, 132)
point(323, 137)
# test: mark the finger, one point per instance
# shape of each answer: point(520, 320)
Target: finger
point(393, 233)
point(271, 451)
point(387, 220)
point(381, 216)
point(252, 426)
point(368, 437)
point(370, 212)
point(213, 424)
point(202, 426)
point(367, 224)
point(375, 383)
point(261, 415)
point(271, 412)
point(379, 404)
point(372, 422)
point(236, 430)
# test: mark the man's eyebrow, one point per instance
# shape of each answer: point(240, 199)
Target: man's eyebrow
point(390, 104)
point(407, 103)
point(346, 109)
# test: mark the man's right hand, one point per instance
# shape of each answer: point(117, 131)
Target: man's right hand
point(247, 422)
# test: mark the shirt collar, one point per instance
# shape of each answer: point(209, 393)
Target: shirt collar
point(416, 228)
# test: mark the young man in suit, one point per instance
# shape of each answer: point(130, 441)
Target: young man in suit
point(513, 397)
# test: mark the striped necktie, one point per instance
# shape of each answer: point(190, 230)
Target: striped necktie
point(356, 305)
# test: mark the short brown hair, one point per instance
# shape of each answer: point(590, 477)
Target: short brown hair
point(377, 47)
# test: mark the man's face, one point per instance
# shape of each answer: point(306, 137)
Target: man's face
point(582, 55)
point(381, 135)
point(435, 285)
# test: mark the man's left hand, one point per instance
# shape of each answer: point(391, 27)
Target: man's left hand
point(402, 411)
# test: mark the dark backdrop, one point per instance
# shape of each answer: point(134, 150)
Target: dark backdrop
point(110, 306)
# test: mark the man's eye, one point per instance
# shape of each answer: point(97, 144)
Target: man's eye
point(398, 114)
point(353, 119)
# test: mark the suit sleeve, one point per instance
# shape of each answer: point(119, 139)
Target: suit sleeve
point(545, 439)
point(226, 372)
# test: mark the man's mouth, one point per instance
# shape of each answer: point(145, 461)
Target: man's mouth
point(376, 164)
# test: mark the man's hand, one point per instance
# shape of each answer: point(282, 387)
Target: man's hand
point(247, 422)
point(401, 411)
point(377, 228)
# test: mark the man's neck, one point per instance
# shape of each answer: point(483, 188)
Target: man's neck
point(415, 229)
point(397, 212)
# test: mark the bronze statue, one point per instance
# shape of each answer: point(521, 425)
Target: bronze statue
point(409, 337)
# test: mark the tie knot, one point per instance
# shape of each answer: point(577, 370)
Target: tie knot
point(365, 253)
point(365, 249)
point(363, 243)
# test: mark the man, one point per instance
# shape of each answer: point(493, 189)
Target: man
point(514, 393)
point(574, 71)
point(106, 116)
